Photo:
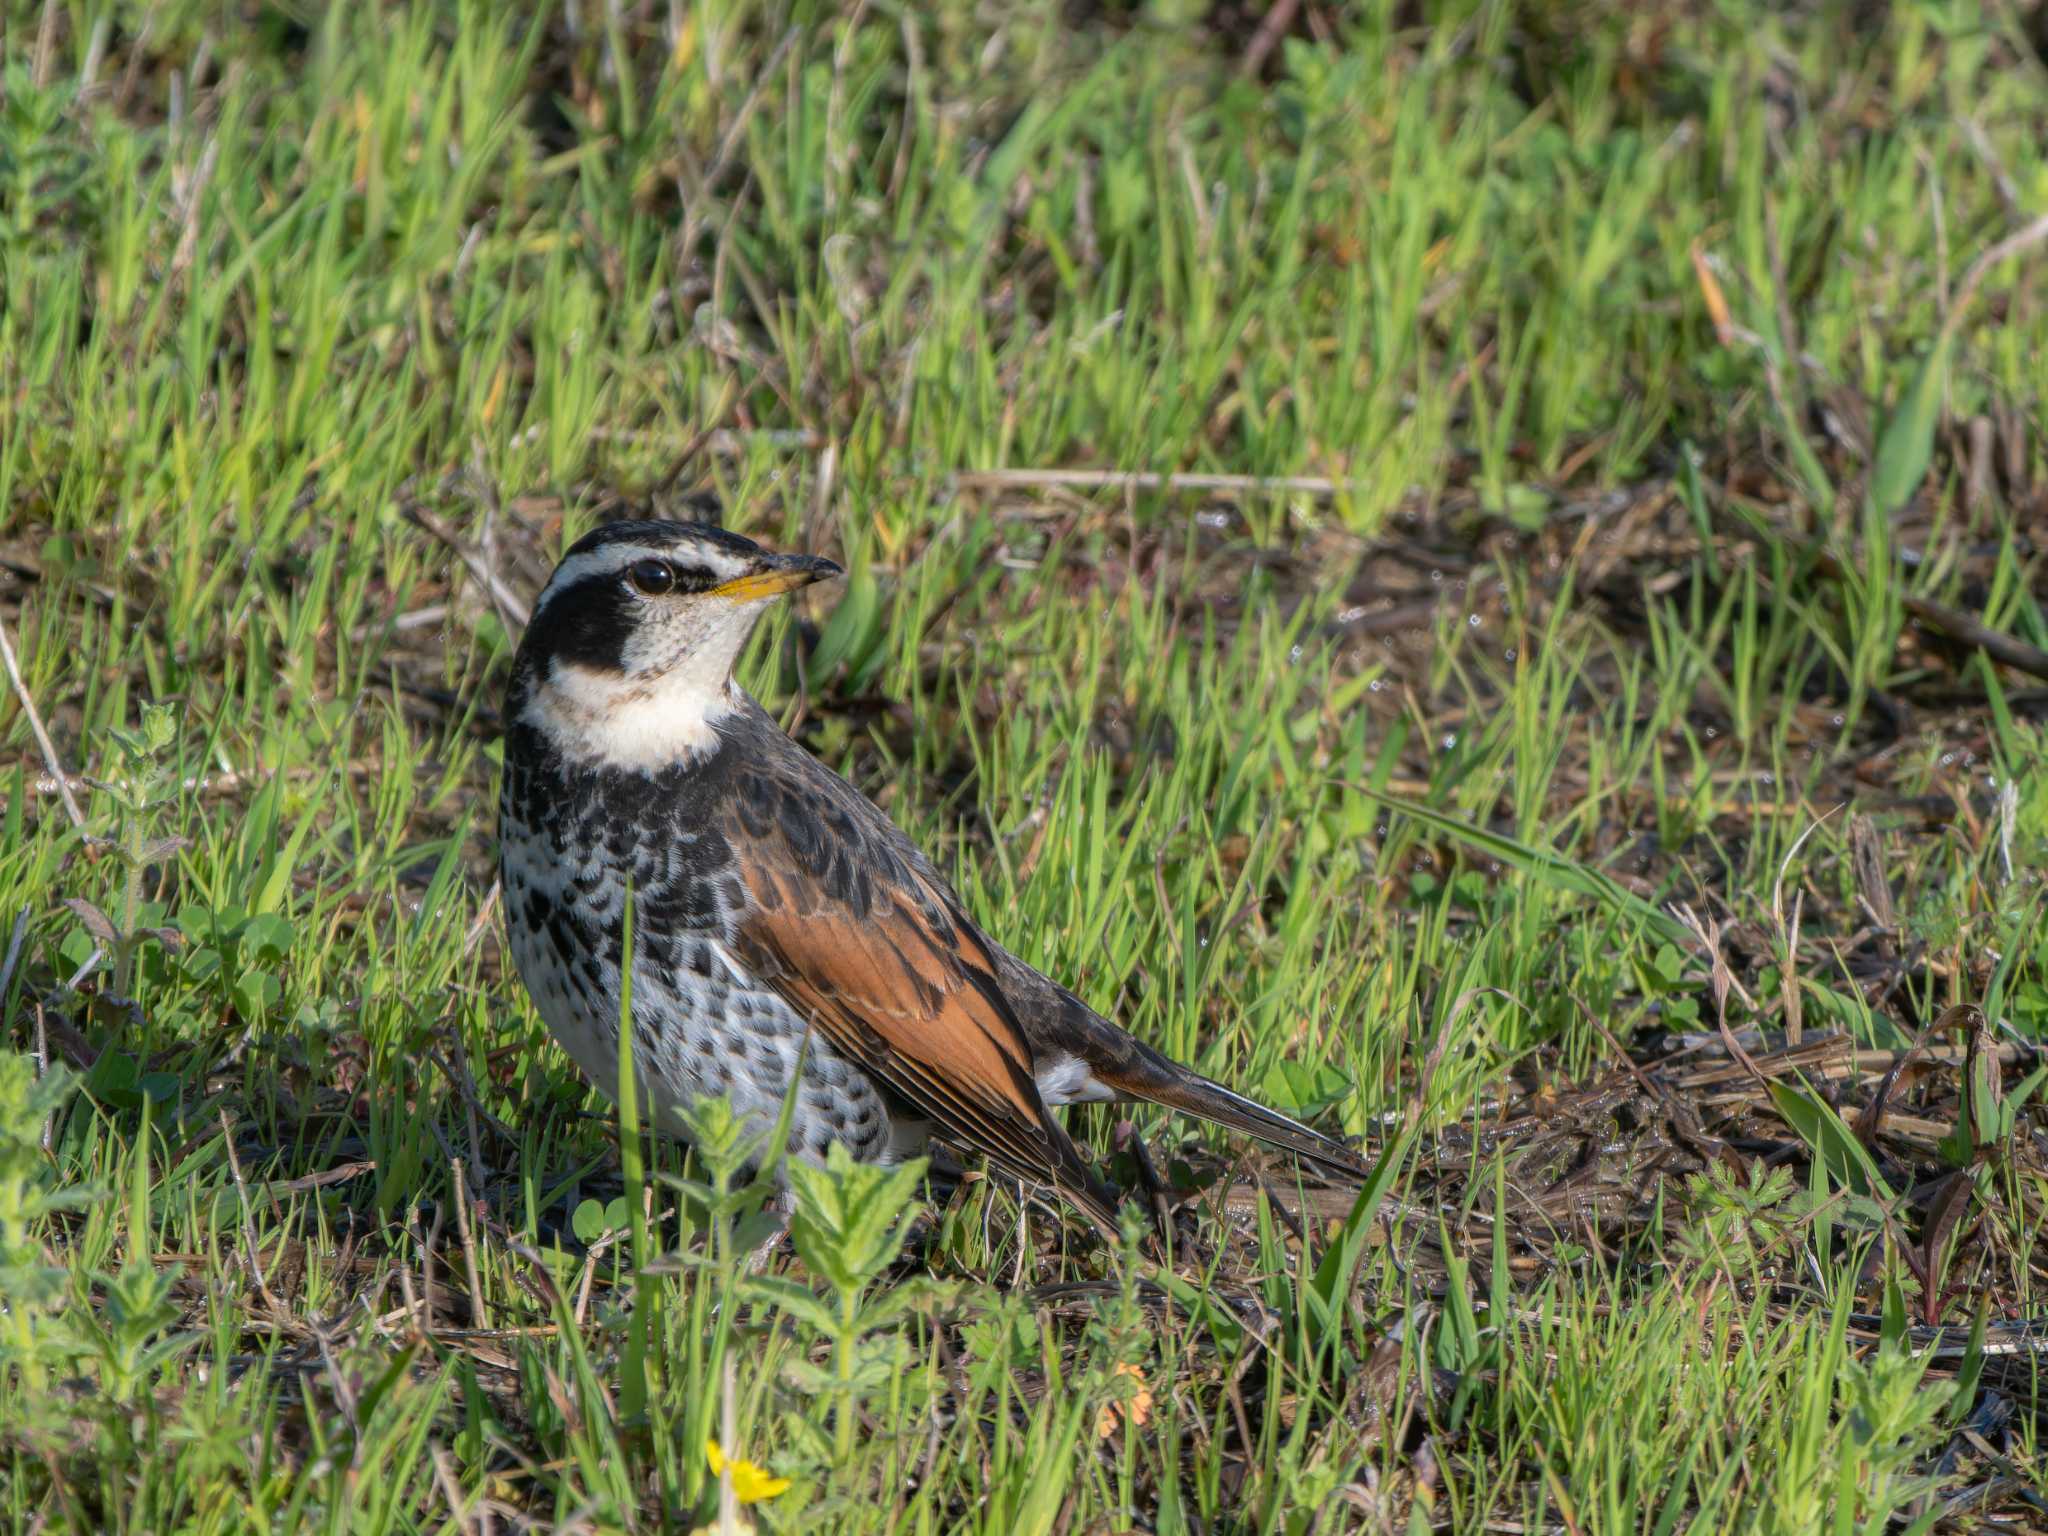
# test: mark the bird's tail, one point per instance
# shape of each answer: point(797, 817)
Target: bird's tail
point(1113, 1063)
point(1147, 1075)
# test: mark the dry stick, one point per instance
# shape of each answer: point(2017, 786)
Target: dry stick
point(427, 1251)
point(466, 1086)
point(451, 1490)
point(1795, 1026)
point(476, 1290)
point(730, 444)
point(320, 1180)
point(46, 45)
point(95, 52)
point(189, 197)
point(1288, 1218)
point(476, 931)
point(2011, 245)
point(343, 1392)
point(255, 1254)
point(500, 594)
point(223, 783)
point(476, 1142)
point(487, 543)
point(35, 724)
point(1322, 1204)
point(730, 141)
point(1708, 932)
point(1954, 623)
point(1999, 646)
point(1278, 19)
point(420, 1320)
point(1148, 480)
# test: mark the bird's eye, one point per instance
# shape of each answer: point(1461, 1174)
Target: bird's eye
point(651, 578)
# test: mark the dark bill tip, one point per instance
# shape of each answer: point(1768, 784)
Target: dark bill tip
point(774, 575)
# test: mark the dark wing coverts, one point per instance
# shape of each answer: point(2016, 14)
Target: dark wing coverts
point(862, 938)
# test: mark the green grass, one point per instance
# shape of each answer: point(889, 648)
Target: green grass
point(1604, 324)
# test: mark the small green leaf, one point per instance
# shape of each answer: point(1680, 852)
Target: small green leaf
point(267, 938)
point(1304, 1090)
point(1526, 506)
point(1848, 1162)
point(795, 1300)
point(849, 1216)
point(1907, 443)
point(114, 1077)
point(253, 995)
point(1893, 1331)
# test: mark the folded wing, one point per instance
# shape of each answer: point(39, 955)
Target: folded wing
point(841, 920)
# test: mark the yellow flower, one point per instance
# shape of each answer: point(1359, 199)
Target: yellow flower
point(750, 1484)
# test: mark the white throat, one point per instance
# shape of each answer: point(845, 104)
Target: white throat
point(660, 712)
point(624, 722)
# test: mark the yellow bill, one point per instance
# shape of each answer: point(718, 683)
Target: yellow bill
point(761, 584)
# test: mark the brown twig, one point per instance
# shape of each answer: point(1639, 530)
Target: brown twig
point(507, 601)
point(1272, 27)
point(476, 1291)
point(227, 1134)
point(320, 1180)
point(410, 1297)
point(451, 1490)
point(1953, 622)
point(1149, 480)
point(188, 196)
point(2020, 240)
point(1290, 1205)
point(1723, 980)
point(42, 735)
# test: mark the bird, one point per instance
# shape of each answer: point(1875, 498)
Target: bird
point(792, 949)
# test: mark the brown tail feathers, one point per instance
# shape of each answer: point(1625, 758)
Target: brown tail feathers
point(1156, 1080)
point(1059, 1027)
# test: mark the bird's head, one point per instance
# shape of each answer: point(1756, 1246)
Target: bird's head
point(628, 657)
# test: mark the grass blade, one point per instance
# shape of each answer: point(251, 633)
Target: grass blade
point(1541, 864)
